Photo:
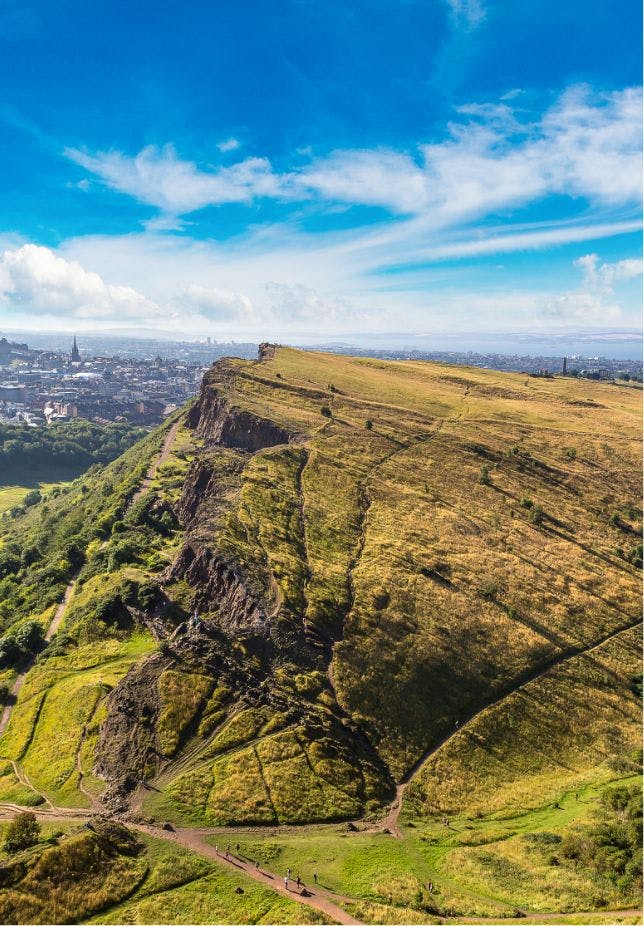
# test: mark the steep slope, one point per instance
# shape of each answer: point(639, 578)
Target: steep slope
point(341, 561)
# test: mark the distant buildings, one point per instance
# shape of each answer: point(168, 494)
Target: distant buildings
point(39, 387)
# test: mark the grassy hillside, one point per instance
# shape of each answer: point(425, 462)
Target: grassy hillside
point(346, 574)
point(451, 533)
point(107, 874)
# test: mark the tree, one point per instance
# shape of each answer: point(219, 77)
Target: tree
point(22, 832)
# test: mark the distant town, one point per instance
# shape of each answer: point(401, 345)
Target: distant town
point(143, 381)
point(602, 368)
point(40, 386)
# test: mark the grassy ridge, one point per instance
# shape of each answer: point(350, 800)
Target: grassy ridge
point(427, 540)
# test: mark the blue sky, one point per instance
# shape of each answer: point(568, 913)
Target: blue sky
point(307, 170)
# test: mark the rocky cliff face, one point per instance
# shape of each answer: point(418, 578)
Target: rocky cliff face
point(128, 750)
point(219, 587)
point(215, 418)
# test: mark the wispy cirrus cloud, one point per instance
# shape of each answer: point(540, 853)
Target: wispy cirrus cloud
point(159, 177)
point(587, 145)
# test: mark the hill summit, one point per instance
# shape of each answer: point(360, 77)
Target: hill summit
point(331, 589)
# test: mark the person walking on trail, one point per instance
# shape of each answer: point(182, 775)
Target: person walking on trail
point(286, 882)
point(315, 877)
point(216, 849)
point(288, 872)
point(256, 866)
point(237, 848)
point(298, 881)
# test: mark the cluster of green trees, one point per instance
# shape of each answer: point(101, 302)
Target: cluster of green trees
point(77, 443)
point(611, 848)
point(20, 644)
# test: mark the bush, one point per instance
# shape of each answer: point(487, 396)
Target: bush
point(484, 476)
point(368, 424)
point(537, 515)
point(326, 411)
point(488, 591)
point(28, 637)
point(22, 832)
point(31, 498)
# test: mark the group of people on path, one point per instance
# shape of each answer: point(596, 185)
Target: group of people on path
point(299, 887)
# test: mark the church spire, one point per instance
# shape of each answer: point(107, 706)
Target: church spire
point(75, 355)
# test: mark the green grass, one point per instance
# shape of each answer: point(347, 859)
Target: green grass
point(80, 878)
point(68, 880)
point(55, 705)
point(184, 888)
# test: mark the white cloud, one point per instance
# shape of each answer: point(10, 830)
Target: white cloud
point(371, 178)
point(587, 145)
point(533, 239)
point(231, 144)
point(216, 304)
point(35, 279)
point(296, 302)
point(595, 300)
point(158, 177)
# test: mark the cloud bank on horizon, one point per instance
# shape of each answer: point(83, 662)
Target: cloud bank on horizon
point(504, 206)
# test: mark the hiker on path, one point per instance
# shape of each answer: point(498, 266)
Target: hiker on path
point(315, 877)
point(237, 848)
point(286, 882)
point(216, 849)
point(256, 866)
point(299, 881)
point(288, 872)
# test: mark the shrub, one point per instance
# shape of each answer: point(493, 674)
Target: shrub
point(31, 498)
point(537, 515)
point(526, 503)
point(28, 637)
point(22, 832)
point(488, 591)
point(326, 411)
point(368, 424)
point(484, 476)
